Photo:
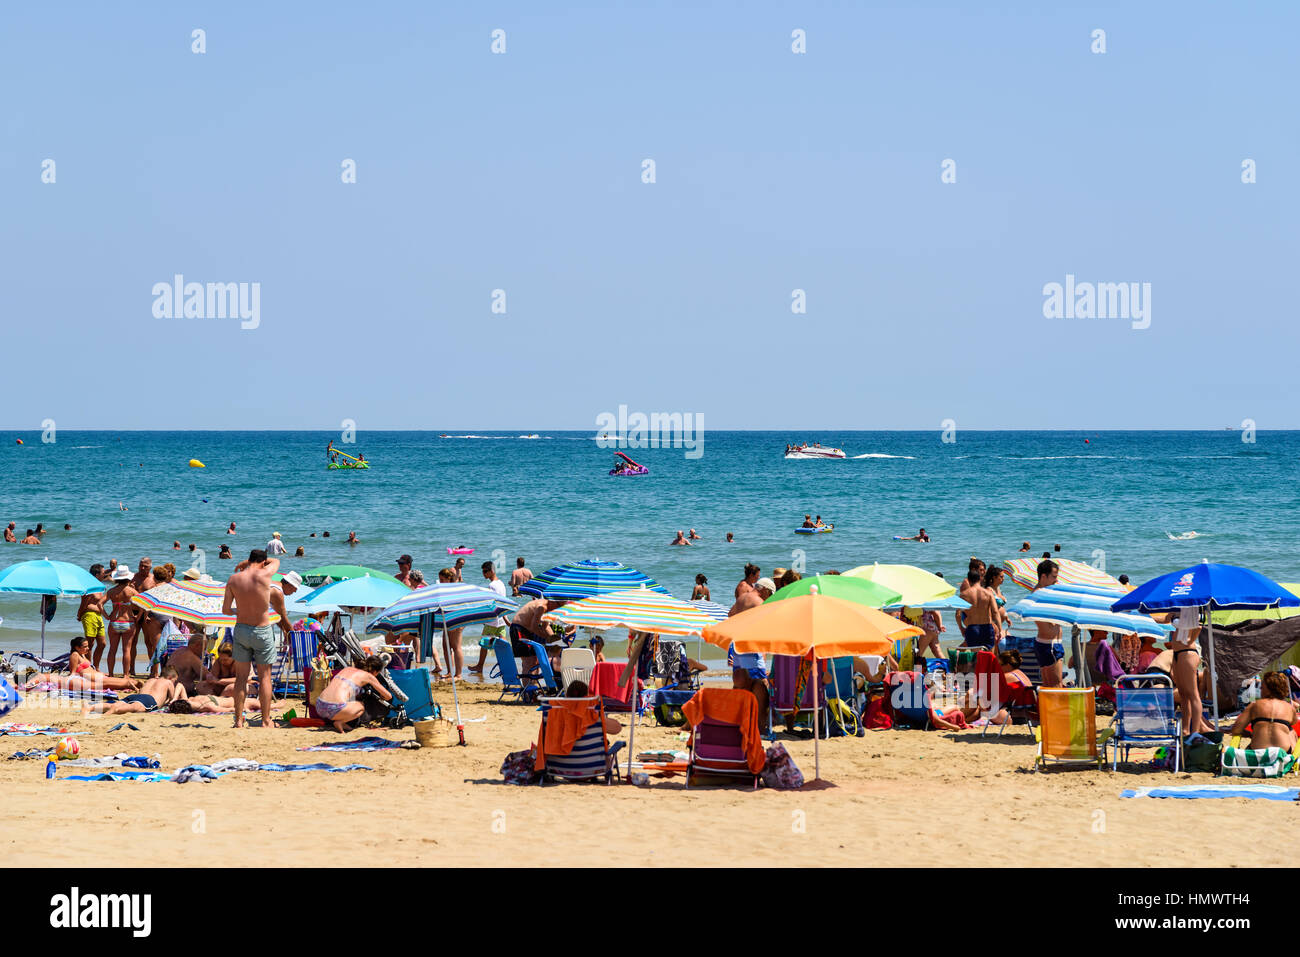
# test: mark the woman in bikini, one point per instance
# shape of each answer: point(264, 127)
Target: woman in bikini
point(1186, 663)
point(338, 702)
point(122, 615)
point(84, 677)
point(1272, 717)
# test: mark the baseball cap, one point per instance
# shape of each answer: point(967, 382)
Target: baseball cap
point(766, 583)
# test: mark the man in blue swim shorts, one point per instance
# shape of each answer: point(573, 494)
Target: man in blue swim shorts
point(1048, 649)
point(982, 620)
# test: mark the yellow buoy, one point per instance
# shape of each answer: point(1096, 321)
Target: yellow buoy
point(196, 464)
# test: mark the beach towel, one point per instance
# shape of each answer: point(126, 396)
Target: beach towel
point(604, 682)
point(146, 777)
point(1257, 762)
point(22, 730)
point(113, 761)
point(195, 772)
point(314, 767)
point(731, 706)
point(1264, 792)
point(370, 743)
point(563, 724)
point(81, 694)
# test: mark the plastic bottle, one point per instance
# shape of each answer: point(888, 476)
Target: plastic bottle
point(50, 769)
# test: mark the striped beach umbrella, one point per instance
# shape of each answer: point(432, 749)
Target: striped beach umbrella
point(194, 601)
point(712, 609)
point(577, 580)
point(1085, 607)
point(1024, 572)
point(449, 604)
point(638, 609)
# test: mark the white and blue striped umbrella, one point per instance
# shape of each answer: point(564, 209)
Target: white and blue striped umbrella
point(449, 604)
point(577, 580)
point(1087, 607)
point(711, 608)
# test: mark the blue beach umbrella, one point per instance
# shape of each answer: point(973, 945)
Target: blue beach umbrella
point(576, 580)
point(44, 577)
point(1208, 586)
point(364, 592)
point(1085, 607)
point(446, 605)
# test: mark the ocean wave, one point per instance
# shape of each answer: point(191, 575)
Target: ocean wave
point(1183, 536)
point(1048, 458)
point(880, 455)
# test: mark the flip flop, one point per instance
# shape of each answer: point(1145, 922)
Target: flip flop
point(124, 724)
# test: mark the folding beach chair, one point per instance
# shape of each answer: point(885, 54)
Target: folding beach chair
point(591, 759)
point(508, 671)
point(909, 698)
point(576, 664)
point(543, 670)
point(717, 748)
point(784, 677)
point(1146, 717)
point(1021, 704)
point(1067, 730)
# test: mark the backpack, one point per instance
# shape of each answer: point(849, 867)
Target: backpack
point(780, 771)
point(841, 719)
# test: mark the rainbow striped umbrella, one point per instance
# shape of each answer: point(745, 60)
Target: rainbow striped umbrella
point(576, 580)
point(198, 602)
point(1024, 572)
point(638, 609)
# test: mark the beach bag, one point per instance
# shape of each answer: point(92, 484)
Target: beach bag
point(781, 771)
point(877, 716)
point(1203, 754)
point(841, 719)
point(518, 767)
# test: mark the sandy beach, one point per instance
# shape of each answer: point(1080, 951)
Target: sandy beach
point(936, 799)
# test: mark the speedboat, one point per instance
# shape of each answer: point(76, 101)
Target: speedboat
point(815, 452)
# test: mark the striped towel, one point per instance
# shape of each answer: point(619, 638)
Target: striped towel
point(1257, 762)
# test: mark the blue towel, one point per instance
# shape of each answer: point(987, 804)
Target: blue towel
point(372, 743)
point(1266, 792)
point(146, 776)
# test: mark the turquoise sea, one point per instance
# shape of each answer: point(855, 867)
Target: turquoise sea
point(1112, 496)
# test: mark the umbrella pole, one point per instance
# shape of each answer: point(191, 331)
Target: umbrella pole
point(817, 745)
point(631, 742)
point(43, 630)
point(1078, 658)
point(446, 644)
point(1214, 676)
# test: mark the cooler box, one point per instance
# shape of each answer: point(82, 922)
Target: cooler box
point(417, 685)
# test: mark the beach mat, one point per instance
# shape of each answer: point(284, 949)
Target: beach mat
point(146, 777)
point(1264, 792)
point(371, 743)
point(21, 730)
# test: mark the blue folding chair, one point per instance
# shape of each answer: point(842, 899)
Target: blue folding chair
point(543, 669)
point(909, 698)
point(1146, 717)
point(506, 670)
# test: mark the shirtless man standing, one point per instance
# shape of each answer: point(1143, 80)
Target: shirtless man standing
point(982, 620)
point(248, 595)
point(753, 597)
point(91, 615)
point(1048, 649)
point(520, 576)
point(142, 581)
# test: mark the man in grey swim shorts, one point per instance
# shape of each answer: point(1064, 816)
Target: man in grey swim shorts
point(251, 599)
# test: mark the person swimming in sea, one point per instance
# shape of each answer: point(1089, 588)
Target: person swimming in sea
point(680, 539)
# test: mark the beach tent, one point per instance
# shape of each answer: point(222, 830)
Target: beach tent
point(814, 626)
point(1209, 587)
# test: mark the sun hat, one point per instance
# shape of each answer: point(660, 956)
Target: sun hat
point(121, 573)
point(191, 573)
point(765, 583)
point(293, 578)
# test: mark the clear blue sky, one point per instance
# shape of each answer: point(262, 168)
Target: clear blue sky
point(775, 171)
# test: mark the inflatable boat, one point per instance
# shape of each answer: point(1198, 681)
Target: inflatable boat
point(815, 531)
point(629, 468)
point(459, 550)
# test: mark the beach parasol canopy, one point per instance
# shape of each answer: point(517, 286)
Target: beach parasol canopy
point(1024, 572)
point(1229, 617)
point(195, 601)
point(915, 585)
point(1083, 606)
point(453, 604)
point(860, 591)
point(363, 592)
point(576, 580)
point(315, 577)
point(1209, 583)
point(812, 625)
point(43, 577)
point(1208, 586)
point(638, 609)
point(712, 609)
